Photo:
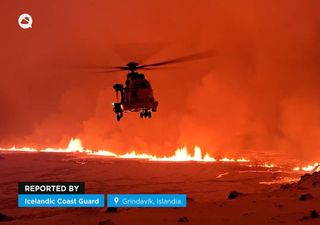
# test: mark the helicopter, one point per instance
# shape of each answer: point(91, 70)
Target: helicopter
point(136, 95)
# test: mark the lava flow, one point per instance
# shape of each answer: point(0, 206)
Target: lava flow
point(180, 155)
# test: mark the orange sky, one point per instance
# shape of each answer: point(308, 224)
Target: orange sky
point(260, 91)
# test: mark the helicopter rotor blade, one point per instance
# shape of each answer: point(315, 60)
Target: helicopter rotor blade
point(107, 71)
point(101, 67)
point(121, 67)
point(157, 68)
point(132, 66)
point(108, 67)
point(193, 57)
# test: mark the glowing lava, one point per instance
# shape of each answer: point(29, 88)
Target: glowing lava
point(309, 168)
point(180, 155)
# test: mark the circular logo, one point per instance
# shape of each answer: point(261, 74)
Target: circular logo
point(25, 21)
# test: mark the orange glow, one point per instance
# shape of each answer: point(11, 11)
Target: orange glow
point(23, 149)
point(297, 168)
point(259, 93)
point(180, 155)
point(226, 160)
point(268, 165)
point(243, 160)
point(309, 168)
point(74, 145)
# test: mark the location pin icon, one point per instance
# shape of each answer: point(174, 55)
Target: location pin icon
point(116, 200)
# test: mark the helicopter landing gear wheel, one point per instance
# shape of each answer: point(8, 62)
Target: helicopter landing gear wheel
point(119, 116)
point(145, 114)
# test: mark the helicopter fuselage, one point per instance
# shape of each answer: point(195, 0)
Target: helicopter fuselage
point(136, 96)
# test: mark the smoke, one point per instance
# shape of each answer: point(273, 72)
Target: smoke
point(259, 93)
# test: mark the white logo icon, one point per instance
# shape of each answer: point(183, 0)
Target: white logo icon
point(116, 200)
point(25, 21)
